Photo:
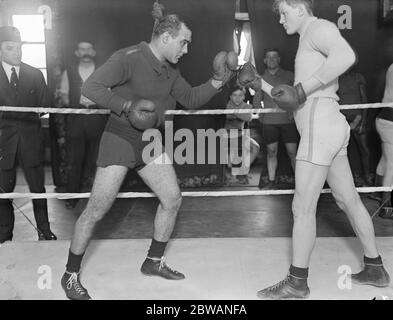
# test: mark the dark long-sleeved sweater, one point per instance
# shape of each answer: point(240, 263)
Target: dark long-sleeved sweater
point(135, 73)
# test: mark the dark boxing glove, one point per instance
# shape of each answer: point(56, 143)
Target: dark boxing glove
point(248, 77)
point(141, 114)
point(289, 98)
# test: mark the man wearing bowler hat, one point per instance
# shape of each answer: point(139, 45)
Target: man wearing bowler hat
point(20, 133)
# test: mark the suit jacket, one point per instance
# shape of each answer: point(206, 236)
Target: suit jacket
point(22, 129)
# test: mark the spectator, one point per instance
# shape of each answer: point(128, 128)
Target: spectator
point(83, 132)
point(384, 125)
point(352, 90)
point(276, 125)
point(250, 147)
point(21, 138)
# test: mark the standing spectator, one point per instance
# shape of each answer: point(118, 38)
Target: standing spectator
point(384, 125)
point(276, 125)
point(21, 138)
point(352, 90)
point(83, 130)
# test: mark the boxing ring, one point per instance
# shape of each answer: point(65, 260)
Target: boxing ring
point(229, 268)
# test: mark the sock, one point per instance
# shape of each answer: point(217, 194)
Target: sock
point(301, 273)
point(74, 262)
point(373, 261)
point(157, 249)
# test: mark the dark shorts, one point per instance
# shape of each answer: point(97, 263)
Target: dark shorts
point(115, 150)
point(287, 132)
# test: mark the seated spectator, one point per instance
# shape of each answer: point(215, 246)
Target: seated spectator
point(276, 126)
point(250, 147)
point(352, 90)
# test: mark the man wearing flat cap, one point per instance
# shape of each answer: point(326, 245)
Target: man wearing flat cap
point(21, 140)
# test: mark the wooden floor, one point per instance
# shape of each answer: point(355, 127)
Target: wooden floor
point(249, 217)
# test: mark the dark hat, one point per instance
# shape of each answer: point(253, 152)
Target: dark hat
point(9, 33)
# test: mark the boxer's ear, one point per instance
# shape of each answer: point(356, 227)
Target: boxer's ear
point(165, 37)
point(301, 10)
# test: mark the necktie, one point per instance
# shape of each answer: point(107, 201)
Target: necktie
point(14, 80)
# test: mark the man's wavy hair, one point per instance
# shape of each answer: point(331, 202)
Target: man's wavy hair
point(170, 23)
point(309, 4)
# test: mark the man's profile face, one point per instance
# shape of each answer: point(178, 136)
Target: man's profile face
point(177, 46)
point(290, 17)
point(85, 52)
point(272, 60)
point(11, 52)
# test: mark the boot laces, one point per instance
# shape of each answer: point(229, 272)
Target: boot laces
point(278, 285)
point(73, 282)
point(163, 265)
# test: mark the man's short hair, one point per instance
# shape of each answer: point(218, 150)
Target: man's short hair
point(270, 50)
point(170, 23)
point(309, 4)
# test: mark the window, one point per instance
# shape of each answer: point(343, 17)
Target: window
point(246, 50)
point(32, 32)
point(242, 38)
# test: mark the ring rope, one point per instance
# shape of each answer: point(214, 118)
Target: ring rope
point(182, 112)
point(15, 195)
point(191, 194)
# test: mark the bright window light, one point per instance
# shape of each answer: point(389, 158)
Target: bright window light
point(34, 55)
point(31, 27)
point(32, 32)
point(244, 45)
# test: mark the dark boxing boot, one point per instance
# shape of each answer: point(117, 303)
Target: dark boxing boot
point(289, 288)
point(158, 267)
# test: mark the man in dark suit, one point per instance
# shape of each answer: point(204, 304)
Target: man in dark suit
point(20, 133)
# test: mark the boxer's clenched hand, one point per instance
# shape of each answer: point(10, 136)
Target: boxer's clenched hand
point(141, 114)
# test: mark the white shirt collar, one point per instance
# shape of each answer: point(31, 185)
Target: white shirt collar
point(7, 68)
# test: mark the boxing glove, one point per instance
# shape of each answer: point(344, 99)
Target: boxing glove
point(289, 98)
point(221, 71)
point(232, 60)
point(141, 114)
point(248, 77)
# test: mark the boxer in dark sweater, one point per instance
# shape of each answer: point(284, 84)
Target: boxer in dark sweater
point(138, 84)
